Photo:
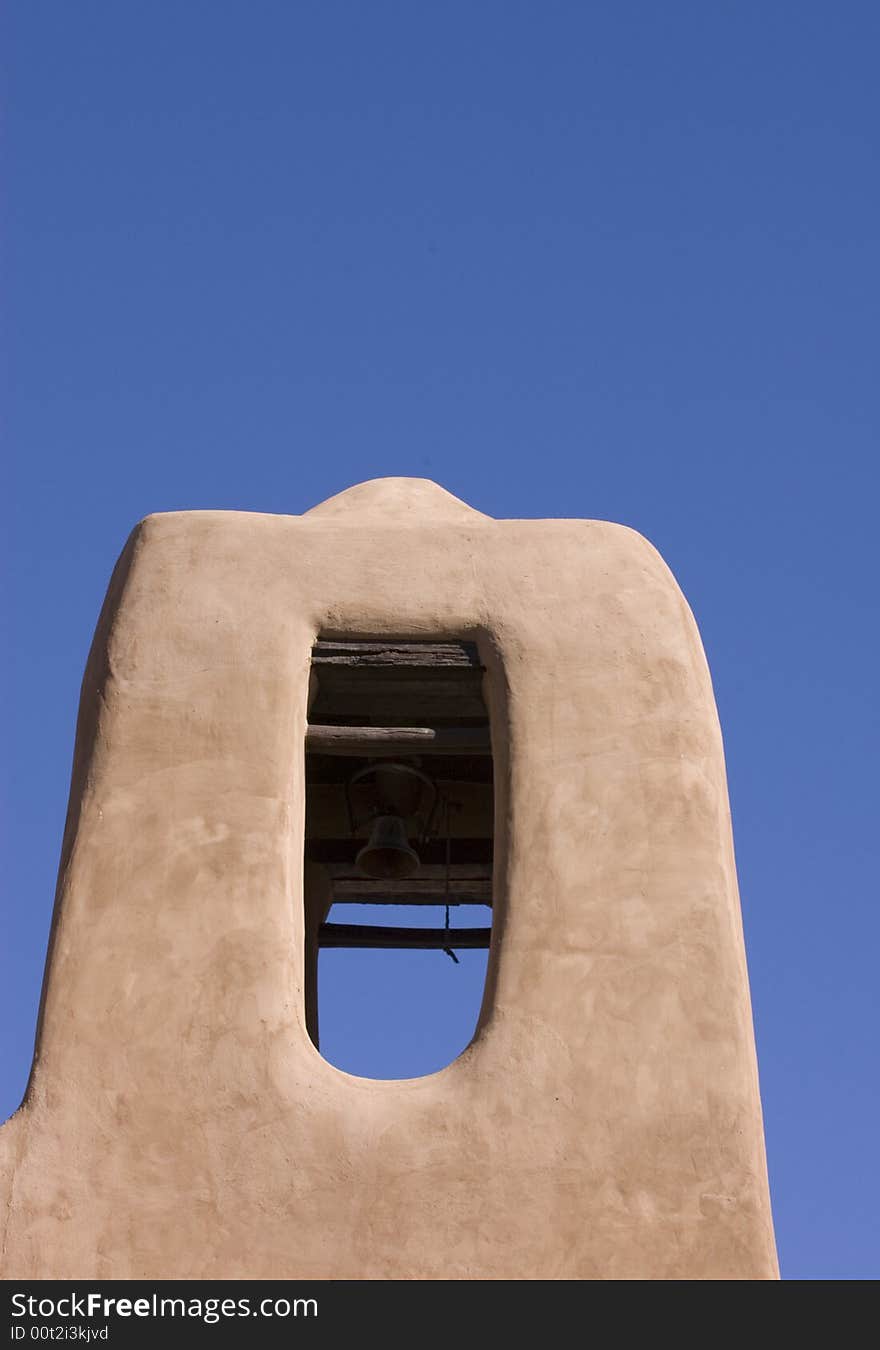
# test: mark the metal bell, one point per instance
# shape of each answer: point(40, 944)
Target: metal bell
point(387, 853)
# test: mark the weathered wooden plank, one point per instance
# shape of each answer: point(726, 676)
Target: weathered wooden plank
point(413, 891)
point(469, 883)
point(398, 696)
point(419, 901)
point(404, 939)
point(429, 655)
point(392, 741)
point(432, 872)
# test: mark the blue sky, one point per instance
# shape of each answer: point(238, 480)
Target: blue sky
point(614, 260)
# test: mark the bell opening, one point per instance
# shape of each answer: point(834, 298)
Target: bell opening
point(398, 853)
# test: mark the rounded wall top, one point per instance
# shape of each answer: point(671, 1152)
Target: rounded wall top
point(413, 501)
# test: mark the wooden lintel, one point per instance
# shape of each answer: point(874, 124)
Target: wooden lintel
point(425, 655)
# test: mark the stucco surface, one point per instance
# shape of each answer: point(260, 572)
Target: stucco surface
point(604, 1123)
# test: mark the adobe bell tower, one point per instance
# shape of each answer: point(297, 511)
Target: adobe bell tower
point(605, 1121)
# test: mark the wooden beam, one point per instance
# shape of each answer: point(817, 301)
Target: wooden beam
point(377, 742)
point(409, 695)
point(435, 898)
point(425, 655)
point(469, 884)
point(415, 892)
point(476, 872)
point(403, 939)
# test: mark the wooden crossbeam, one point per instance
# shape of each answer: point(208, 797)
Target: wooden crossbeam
point(399, 892)
point(469, 884)
point(352, 895)
point(416, 891)
point(402, 939)
point(433, 872)
point(379, 742)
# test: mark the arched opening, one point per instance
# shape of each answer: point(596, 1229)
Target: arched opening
point(398, 853)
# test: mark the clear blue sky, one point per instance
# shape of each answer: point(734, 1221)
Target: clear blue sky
point(615, 260)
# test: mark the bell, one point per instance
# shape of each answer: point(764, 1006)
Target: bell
point(387, 853)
